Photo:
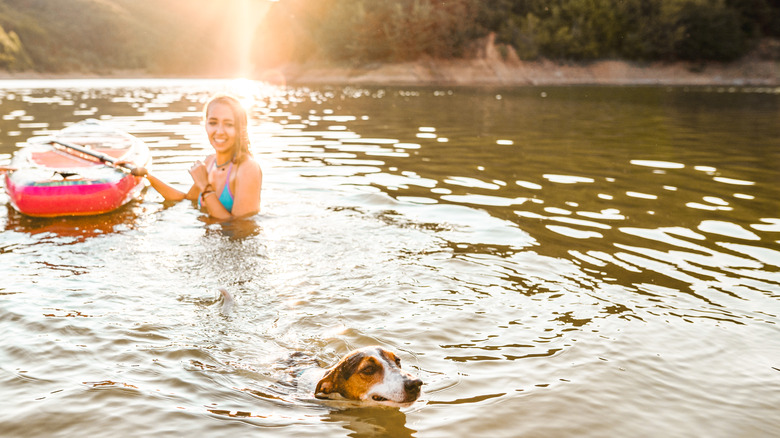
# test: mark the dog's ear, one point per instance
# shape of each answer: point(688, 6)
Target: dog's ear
point(326, 385)
point(333, 380)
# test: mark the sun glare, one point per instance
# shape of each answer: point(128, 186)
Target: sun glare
point(247, 91)
point(251, 93)
point(249, 14)
point(244, 35)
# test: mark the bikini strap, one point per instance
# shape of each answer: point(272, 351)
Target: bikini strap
point(227, 180)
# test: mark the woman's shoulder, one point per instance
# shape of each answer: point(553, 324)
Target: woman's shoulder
point(249, 172)
point(249, 165)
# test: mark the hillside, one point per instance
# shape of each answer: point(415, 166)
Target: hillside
point(401, 41)
point(490, 68)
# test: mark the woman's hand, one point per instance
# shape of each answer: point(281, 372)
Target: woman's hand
point(137, 171)
point(134, 170)
point(200, 175)
point(167, 192)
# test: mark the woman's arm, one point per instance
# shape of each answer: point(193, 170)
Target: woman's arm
point(167, 192)
point(249, 182)
point(246, 190)
point(246, 193)
point(209, 199)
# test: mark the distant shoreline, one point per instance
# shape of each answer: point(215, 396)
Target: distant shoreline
point(524, 73)
point(489, 72)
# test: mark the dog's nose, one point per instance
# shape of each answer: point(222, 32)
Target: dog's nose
point(413, 385)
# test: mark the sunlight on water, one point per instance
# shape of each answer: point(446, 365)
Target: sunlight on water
point(601, 261)
point(657, 164)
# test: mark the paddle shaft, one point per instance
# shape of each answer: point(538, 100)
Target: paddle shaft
point(103, 158)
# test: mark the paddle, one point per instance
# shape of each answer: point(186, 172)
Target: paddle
point(103, 158)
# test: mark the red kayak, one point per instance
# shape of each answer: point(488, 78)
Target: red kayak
point(75, 172)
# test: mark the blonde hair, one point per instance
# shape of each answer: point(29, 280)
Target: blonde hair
point(241, 146)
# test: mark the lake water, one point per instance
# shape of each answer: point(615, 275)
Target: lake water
point(551, 261)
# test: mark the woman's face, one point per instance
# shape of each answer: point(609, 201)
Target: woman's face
point(221, 127)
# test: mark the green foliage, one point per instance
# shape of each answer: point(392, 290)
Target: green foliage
point(100, 36)
point(12, 55)
point(582, 29)
point(199, 37)
point(633, 29)
point(711, 33)
point(396, 30)
point(77, 35)
point(683, 29)
point(757, 17)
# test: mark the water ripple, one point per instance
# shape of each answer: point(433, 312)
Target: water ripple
point(581, 247)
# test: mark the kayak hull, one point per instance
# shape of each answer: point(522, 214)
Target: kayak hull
point(52, 181)
point(72, 198)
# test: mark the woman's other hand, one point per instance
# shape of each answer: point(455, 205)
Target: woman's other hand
point(200, 175)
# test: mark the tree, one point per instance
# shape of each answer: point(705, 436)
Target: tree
point(12, 54)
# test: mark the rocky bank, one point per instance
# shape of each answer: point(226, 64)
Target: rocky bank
point(487, 66)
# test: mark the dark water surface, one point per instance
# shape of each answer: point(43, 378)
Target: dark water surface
point(567, 261)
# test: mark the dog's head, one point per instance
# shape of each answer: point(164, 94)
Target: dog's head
point(370, 374)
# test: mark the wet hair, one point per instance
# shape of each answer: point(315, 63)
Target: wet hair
point(241, 147)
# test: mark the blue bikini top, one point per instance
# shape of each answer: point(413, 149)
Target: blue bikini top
point(226, 197)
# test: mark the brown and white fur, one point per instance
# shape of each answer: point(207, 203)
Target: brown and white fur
point(371, 374)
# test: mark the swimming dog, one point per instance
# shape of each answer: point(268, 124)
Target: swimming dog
point(370, 374)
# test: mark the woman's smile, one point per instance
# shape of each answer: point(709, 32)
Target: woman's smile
point(228, 183)
point(221, 128)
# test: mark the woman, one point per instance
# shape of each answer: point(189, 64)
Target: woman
point(228, 184)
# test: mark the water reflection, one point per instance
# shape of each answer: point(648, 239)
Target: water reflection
point(372, 422)
point(550, 251)
point(76, 229)
point(584, 186)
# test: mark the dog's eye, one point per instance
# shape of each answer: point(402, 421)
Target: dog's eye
point(368, 371)
point(398, 361)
